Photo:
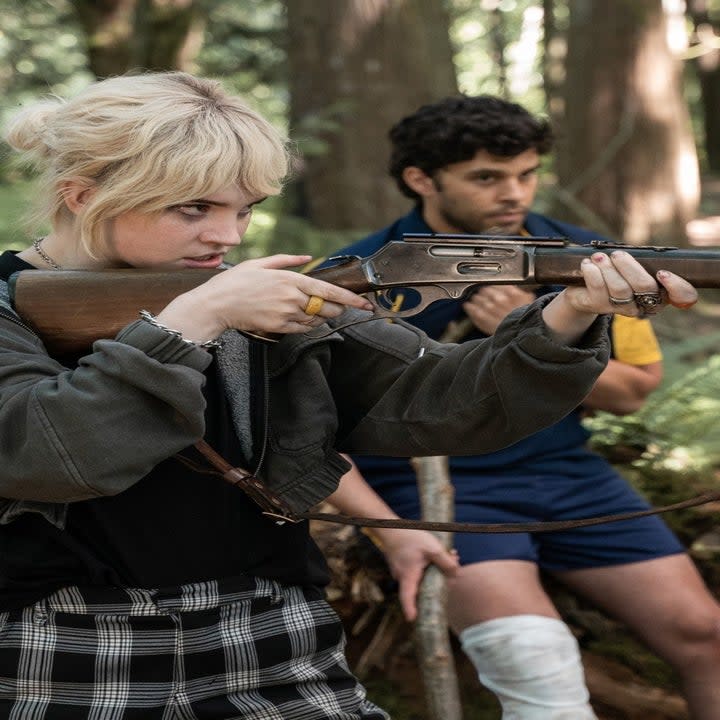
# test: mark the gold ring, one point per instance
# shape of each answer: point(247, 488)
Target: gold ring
point(314, 305)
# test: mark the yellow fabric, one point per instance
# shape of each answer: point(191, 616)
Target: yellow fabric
point(634, 341)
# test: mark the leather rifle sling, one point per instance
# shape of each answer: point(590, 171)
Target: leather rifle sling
point(273, 506)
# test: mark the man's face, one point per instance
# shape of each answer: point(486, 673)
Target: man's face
point(487, 194)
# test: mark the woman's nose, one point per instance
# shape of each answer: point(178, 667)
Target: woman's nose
point(226, 234)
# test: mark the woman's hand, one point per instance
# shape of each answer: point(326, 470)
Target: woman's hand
point(614, 283)
point(260, 296)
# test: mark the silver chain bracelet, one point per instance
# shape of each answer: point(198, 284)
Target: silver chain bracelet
point(150, 318)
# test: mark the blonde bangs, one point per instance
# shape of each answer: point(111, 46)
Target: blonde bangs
point(169, 139)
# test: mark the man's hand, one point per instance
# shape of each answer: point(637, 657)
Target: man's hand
point(489, 305)
point(408, 553)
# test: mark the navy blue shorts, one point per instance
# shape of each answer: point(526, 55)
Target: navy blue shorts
point(513, 499)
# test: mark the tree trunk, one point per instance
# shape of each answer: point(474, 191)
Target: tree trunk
point(127, 35)
point(498, 45)
point(553, 63)
point(707, 66)
point(627, 162)
point(356, 68)
point(168, 34)
point(108, 26)
point(435, 654)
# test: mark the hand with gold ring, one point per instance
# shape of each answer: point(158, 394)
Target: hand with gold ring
point(313, 305)
point(261, 296)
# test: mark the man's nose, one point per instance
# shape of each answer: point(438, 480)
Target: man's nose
point(511, 189)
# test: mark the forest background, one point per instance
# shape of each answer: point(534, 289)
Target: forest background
point(633, 90)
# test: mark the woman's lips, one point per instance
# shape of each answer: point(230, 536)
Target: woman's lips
point(203, 261)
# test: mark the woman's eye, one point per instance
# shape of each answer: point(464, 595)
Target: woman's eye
point(193, 209)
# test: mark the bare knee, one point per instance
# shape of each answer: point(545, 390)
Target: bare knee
point(694, 641)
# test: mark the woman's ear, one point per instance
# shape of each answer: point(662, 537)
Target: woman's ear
point(76, 192)
point(417, 180)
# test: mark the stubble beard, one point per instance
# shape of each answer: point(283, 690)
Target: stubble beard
point(482, 226)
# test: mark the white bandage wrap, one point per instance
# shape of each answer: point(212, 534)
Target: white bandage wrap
point(532, 664)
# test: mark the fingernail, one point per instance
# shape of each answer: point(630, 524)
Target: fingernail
point(663, 274)
point(599, 257)
point(586, 261)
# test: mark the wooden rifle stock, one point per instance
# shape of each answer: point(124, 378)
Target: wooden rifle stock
point(70, 309)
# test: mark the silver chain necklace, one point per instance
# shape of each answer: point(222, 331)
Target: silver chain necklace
point(38, 249)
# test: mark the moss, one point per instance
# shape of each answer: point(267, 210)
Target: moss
point(409, 703)
point(630, 653)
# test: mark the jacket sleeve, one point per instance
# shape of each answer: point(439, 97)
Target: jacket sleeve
point(466, 399)
point(74, 434)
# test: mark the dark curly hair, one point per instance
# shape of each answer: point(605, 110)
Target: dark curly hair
point(455, 128)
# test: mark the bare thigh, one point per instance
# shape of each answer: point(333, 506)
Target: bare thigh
point(496, 588)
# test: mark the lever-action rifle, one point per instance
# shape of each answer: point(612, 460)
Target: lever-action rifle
point(69, 309)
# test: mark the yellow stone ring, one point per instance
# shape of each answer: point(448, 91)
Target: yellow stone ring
point(314, 305)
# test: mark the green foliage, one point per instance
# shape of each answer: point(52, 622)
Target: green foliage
point(244, 44)
point(477, 30)
point(41, 49)
point(295, 235)
point(678, 426)
point(631, 653)
point(13, 204)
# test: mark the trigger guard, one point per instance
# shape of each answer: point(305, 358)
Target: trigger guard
point(427, 297)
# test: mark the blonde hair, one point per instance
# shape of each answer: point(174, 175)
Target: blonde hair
point(144, 142)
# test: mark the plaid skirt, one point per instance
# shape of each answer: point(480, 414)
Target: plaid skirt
point(243, 648)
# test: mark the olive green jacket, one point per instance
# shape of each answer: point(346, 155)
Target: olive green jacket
point(70, 434)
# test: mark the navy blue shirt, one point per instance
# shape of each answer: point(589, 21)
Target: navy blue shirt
point(557, 449)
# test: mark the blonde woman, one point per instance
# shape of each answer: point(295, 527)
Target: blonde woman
point(133, 584)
